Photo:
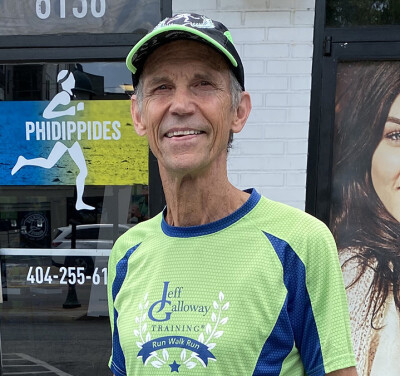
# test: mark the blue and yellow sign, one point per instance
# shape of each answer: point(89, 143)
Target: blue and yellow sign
point(69, 142)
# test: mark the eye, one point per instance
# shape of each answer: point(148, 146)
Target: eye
point(203, 86)
point(393, 136)
point(162, 87)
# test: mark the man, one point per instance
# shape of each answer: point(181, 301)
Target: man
point(223, 282)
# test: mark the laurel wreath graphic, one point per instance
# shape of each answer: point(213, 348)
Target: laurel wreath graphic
point(191, 360)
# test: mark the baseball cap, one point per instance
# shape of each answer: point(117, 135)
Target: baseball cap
point(190, 26)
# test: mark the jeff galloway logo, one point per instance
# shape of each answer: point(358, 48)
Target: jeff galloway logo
point(191, 352)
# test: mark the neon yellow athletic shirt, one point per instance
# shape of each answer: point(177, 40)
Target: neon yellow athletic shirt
point(259, 292)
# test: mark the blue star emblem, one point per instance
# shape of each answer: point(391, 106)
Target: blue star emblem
point(175, 367)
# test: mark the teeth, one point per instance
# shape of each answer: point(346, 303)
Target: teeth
point(182, 133)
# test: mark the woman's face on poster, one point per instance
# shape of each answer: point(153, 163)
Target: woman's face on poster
point(385, 165)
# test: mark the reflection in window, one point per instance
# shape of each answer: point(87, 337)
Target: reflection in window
point(54, 253)
point(345, 13)
point(35, 82)
point(45, 216)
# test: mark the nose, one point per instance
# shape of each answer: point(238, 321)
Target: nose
point(182, 102)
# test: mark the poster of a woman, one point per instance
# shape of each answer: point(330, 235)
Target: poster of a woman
point(365, 208)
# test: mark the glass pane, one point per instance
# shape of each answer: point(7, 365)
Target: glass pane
point(342, 13)
point(40, 82)
point(73, 179)
point(37, 17)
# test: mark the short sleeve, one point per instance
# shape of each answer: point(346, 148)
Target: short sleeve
point(325, 286)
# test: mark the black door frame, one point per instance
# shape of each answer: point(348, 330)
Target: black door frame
point(331, 46)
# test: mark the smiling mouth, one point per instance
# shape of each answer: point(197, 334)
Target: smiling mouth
point(182, 133)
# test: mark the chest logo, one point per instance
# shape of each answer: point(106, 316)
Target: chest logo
point(179, 349)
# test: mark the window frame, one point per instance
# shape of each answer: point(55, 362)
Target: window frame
point(331, 46)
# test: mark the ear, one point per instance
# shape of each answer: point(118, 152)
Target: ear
point(140, 128)
point(241, 113)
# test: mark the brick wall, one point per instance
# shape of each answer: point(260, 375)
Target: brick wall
point(274, 39)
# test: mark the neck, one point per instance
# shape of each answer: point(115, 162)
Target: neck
point(194, 200)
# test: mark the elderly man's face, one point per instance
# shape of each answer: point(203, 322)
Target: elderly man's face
point(186, 113)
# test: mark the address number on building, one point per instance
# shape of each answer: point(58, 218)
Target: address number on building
point(97, 8)
point(67, 275)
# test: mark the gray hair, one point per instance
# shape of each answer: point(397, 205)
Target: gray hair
point(236, 96)
point(235, 90)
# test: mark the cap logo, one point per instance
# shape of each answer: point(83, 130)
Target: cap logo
point(186, 19)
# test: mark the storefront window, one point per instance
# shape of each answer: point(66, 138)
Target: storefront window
point(38, 17)
point(345, 13)
point(74, 177)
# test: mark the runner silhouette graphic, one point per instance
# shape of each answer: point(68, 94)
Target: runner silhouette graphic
point(63, 98)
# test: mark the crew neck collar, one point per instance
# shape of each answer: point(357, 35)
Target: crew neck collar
point(209, 228)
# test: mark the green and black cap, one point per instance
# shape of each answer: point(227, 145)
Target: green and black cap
point(186, 26)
